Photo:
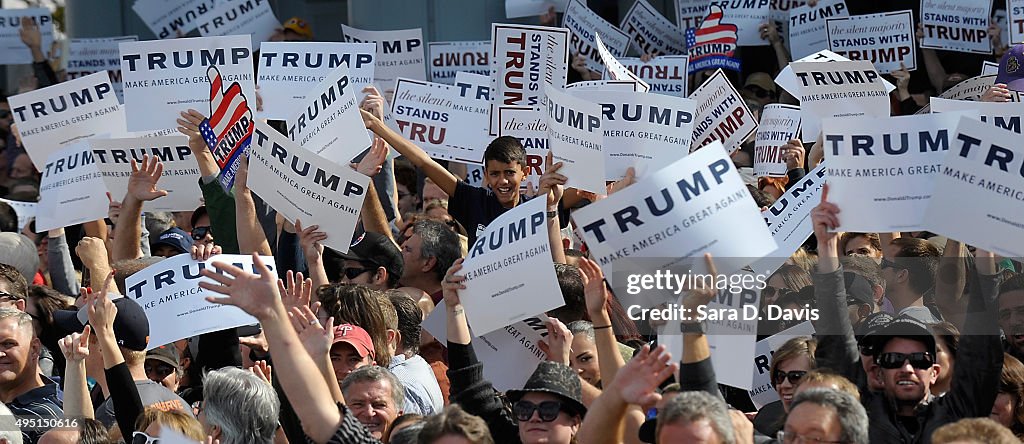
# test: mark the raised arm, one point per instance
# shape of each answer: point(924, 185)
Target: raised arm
point(309, 240)
point(77, 402)
point(441, 176)
point(219, 204)
point(251, 238)
point(124, 395)
point(62, 270)
point(950, 281)
point(93, 253)
point(142, 187)
point(596, 295)
point(551, 185)
point(372, 214)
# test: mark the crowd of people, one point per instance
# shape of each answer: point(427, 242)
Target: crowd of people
point(922, 334)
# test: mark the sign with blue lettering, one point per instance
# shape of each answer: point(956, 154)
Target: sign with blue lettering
point(56, 116)
point(884, 39)
point(748, 16)
point(72, 189)
point(240, 17)
point(330, 111)
point(576, 139)
point(663, 74)
point(429, 114)
point(957, 25)
point(789, 219)
point(176, 306)
point(807, 33)
point(1004, 115)
point(524, 59)
point(788, 81)
point(449, 58)
point(837, 89)
point(530, 126)
point(513, 247)
point(299, 184)
point(400, 53)
point(652, 33)
point(713, 44)
point(690, 12)
point(180, 175)
point(12, 50)
point(722, 114)
point(165, 77)
point(172, 19)
point(978, 194)
point(779, 124)
point(585, 26)
point(87, 56)
point(290, 70)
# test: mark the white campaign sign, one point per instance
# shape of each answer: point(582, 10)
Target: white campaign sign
point(585, 26)
point(881, 169)
point(602, 85)
point(1014, 15)
point(114, 159)
point(652, 33)
point(71, 190)
point(240, 17)
point(977, 197)
point(176, 306)
point(748, 16)
point(575, 138)
point(885, 39)
point(429, 113)
point(12, 50)
point(87, 56)
point(162, 78)
point(302, 185)
point(695, 205)
point(643, 131)
point(970, 89)
point(616, 71)
point(761, 391)
point(664, 74)
point(530, 126)
point(524, 59)
point(527, 8)
point(400, 53)
point(788, 81)
point(779, 124)
point(328, 121)
point(25, 211)
point(689, 13)
point(807, 34)
point(289, 70)
point(58, 115)
point(509, 355)
point(957, 25)
point(789, 219)
point(449, 58)
point(171, 19)
point(837, 89)
point(514, 245)
point(989, 68)
point(1004, 115)
point(722, 114)
point(471, 99)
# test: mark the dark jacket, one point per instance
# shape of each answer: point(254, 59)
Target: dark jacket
point(477, 396)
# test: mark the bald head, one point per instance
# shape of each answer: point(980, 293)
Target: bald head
point(63, 435)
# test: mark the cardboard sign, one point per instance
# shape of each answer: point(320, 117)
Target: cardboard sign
point(837, 89)
point(585, 26)
point(652, 33)
point(664, 74)
point(252, 17)
point(807, 33)
point(299, 184)
point(779, 124)
point(56, 116)
point(289, 70)
point(788, 81)
point(114, 159)
point(529, 8)
point(881, 169)
point(514, 245)
point(885, 39)
point(748, 16)
point(789, 219)
point(228, 129)
point(328, 123)
point(643, 131)
point(471, 101)
point(399, 54)
point(12, 50)
point(761, 391)
point(977, 195)
point(88, 56)
point(714, 44)
point(176, 306)
point(427, 113)
point(970, 89)
point(525, 58)
point(957, 25)
point(576, 139)
point(602, 85)
point(170, 20)
point(695, 205)
point(989, 68)
point(1013, 18)
point(616, 71)
point(71, 190)
point(530, 126)
point(1003, 115)
point(26, 211)
point(510, 355)
point(449, 58)
point(689, 13)
point(162, 78)
point(722, 114)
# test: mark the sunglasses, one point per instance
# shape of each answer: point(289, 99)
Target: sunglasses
point(893, 360)
point(548, 410)
point(769, 291)
point(758, 91)
point(794, 376)
point(142, 438)
point(352, 273)
point(866, 350)
point(198, 233)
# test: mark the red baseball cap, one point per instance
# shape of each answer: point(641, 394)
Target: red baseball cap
point(356, 337)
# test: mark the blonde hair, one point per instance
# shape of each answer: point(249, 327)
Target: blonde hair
point(176, 420)
point(800, 345)
point(827, 377)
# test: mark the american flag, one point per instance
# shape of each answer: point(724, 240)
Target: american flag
point(228, 130)
point(713, 31)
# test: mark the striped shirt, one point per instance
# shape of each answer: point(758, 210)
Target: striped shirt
point(40, 403)
point(351, 431)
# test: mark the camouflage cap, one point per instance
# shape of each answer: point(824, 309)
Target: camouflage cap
point(557, 379)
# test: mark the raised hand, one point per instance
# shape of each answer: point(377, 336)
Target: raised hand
point(637, 382)
point(30, 34)
point(701, 295)
point(113, 209)
point(92, 251)
point(556, 344)
point(102, 310)
point(262, 370)
point(76, 345)
point(374, 160)
point(295, 290)
point(188, 124)
point(254, 294)
point(310, 239)
point(551, 183)
point(825, 218)
point(142, 183)
point(451, 285)
point(595, 293)
point(373, 102)
point(203, 252)
point(315, 338)
point(621, 184)
point(793, 153)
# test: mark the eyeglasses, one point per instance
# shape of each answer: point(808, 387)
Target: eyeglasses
point(198, 233)
point(770, 291)
point(866, 350)
point(142, 438)
point(794, 377)
point(886, 263)
point(892, 360)
point(352, 273)
point(793, 438)
point(548, 410)
point(160, 370)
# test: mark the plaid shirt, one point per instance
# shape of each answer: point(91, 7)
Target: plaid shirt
point(41, 402)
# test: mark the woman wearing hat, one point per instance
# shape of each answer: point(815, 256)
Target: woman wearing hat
point(548, 409)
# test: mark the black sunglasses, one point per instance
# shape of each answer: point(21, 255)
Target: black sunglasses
point(548, 410)
point(770, 291)
point(794, 376)
point(866, 350)
point(198, 233)
point(352, 273)
point(758, 91)
point(893, 360)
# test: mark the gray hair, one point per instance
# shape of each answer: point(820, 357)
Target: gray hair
point(244, 406)
point(439, 242)
point(695, 406)
point(23, 319)
point(374, 373)
point(582, 327)
point(9, 429)
point(853, 419)
point(157, 222)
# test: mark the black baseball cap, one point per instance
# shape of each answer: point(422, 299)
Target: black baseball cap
point(377, 249)
point(167, 354)
point(177, 239)
point(905, 326)
point(131, 327)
